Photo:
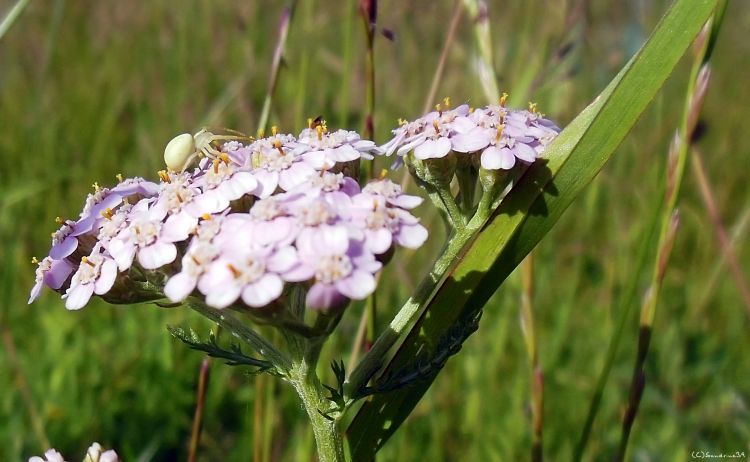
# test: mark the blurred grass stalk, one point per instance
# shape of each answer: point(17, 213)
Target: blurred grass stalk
point(485, 68)
point(537, 376)
point(724, 241)
point(12, 16)
point(676, 161)
point(477, 11)
point(278, 55)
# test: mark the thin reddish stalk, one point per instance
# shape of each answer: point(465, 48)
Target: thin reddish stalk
point(195, 434)
point(721, 234)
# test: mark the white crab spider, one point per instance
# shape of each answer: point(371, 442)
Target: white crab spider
point(183, 149)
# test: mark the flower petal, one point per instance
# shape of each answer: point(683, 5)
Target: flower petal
point(358, 285)
point(64, 248)
point(78, 296)
point(263, 291)
point(179, 287)
point(107, 277)
point(157, 254)
point(525, 152)
point(322, 296)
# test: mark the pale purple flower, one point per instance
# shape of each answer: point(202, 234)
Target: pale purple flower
point(339, 267)
point(136, 186)
point(254, 275)
point(64, 240)
point(338, 146)
point(101, 203)
point(49, 456)
point(392, 193)
point(271, 221)
point(50, 273)
point(181, 202)
point(428, 136)
point(97, 454)
point(96, 203)
point(281, 166)
point(143, 237)
point(221, 183)
point(95, 275)
point(237, 152)
point(382, 224)
point(200, 254)
point(195, 263)
point(503, 136)
point(325, 182)
point(114, 224)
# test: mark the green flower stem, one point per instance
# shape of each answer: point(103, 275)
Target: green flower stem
point(307, 385)
point(443, 192)
point(244, 333)
point(467, 183)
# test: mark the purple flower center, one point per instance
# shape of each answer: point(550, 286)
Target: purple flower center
point(248, 270)
point(65, 230)
point(316, 214)
point(89, 270)
point(332, 268)
point(145, 232)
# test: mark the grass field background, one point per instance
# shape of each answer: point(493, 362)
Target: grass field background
point(90, 89)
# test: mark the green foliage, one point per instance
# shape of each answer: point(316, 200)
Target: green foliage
point(90, 89)
point(233, 356)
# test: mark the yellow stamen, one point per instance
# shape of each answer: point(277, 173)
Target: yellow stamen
point(383, 174)
point(216, 166)
point(310, 122)
point(119, 177)
point(224, 158)
point(261, 132)
point(435, 125)
point(59, 220)
point(235, 272)
point(277, 146)
point(107, 213)
point(87, 261)
point(532, 107)
point(96, 186)
point(447, 101)
point(499, 132)
point(503, 99)
point(164, 176)
point(401, 122)
point(319, 129)
point(274, 130)
point(439, 108)
point(206, 216)
point(34, 260)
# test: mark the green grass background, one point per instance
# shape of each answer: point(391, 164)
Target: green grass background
point(89, 89)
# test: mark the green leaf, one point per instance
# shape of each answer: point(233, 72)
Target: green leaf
point(530, 211)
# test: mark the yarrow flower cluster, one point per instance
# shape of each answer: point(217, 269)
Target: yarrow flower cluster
point(94, 454)
point(500, 136)
point(254, 217)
